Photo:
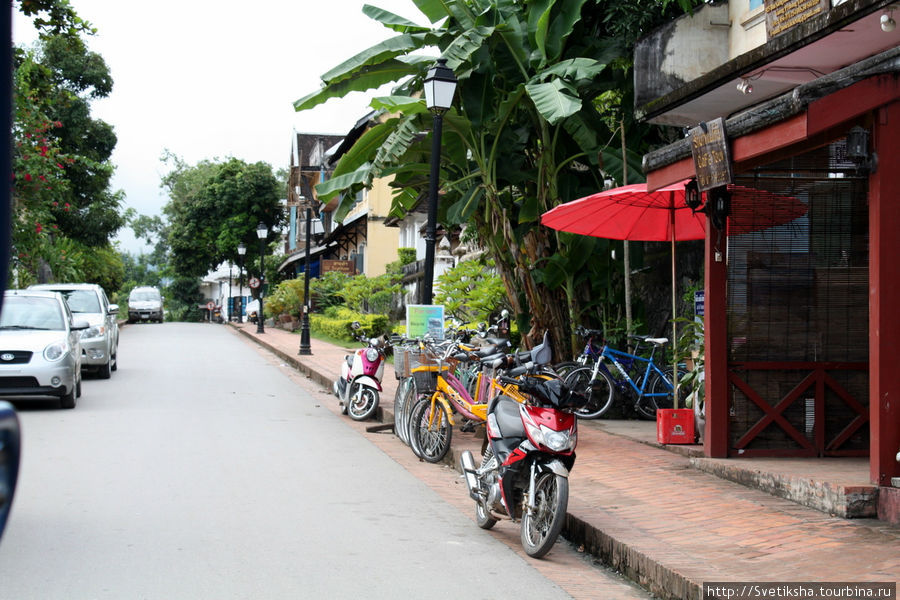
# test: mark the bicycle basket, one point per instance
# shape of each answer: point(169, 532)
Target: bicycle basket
point(426, 381)
point(401, 362)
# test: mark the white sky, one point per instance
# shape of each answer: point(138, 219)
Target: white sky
point(213, 79)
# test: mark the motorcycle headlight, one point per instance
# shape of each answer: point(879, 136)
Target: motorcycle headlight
point(556, 441)
point(56, 350)
point(559, 441)
point(371, 354)
point(94, 331)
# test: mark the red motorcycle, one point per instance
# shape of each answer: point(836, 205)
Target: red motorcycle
point(525, 466)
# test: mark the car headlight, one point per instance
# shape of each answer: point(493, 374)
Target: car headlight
point(94, 331)
point(371, 354)
point(56, 351)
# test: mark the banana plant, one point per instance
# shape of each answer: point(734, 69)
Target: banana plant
point(524, 136)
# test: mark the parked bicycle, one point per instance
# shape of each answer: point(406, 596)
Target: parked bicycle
point(443, 396)
point(636, 377)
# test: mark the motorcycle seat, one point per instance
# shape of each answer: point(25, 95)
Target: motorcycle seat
point(506, 410)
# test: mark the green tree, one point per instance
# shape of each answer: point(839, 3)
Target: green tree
point(214, 206)
point(64, 212)
point(525, 134)
point(471, 291)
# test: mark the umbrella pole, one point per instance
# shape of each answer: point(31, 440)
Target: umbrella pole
point(674, 325)
point(626, 254)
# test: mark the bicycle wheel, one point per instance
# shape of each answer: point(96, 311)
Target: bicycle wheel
point(403, 402)
point(600, 392)
point(564, 368)
point(431, 431)
point(656, 384)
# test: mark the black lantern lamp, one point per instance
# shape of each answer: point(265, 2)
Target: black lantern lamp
point(242, 250)
point(261, 232)
point(692, 196)
point(719, 206)
point(440, 86)
point(858, 149)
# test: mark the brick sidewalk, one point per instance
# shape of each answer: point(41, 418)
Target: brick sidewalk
point(646, 512)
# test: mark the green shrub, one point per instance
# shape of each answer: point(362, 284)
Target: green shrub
point(335, 322)
point(325, 291)
point(286, 298)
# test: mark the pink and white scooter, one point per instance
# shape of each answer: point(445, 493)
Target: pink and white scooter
point(359, 386)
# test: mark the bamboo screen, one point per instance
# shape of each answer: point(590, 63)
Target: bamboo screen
point(797, 294)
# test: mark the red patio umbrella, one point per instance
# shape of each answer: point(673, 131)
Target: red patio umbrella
point(632, 213)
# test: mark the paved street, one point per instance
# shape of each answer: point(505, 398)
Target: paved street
point(206, 469)
point(657, 513)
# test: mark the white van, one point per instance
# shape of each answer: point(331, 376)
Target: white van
point(145, 304)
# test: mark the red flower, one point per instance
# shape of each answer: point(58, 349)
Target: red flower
point(55, 203)
point(60, 166)
point(27, 176)
point(38, 228)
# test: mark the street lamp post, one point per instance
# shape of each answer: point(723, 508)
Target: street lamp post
point(242, 250)
point(305, 348)
point(440, 85)
point(261, 232)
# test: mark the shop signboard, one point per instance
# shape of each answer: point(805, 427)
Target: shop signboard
point(712, 159)
point(341, 266)
point(783, 15)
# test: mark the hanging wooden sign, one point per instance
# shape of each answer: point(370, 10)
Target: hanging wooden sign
point(712, 159)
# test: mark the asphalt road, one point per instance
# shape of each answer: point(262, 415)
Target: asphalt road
point(202, 470)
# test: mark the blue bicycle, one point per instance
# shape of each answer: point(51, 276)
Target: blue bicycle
point(637, 377)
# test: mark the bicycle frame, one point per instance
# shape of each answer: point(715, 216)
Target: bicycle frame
point(621, 359)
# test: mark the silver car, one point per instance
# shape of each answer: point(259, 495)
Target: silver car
point(100, 341)
point(40, 346)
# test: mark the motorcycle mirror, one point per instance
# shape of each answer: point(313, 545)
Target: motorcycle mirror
point(504, 314)
point(355, 325)
point(9, 459)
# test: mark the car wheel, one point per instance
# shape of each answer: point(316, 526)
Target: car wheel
point(105, 370)
point(68, 400)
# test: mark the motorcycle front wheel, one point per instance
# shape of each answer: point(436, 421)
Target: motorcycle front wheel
point(541, 526)
point(363, 402)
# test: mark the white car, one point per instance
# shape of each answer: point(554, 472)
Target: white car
point(100, 341)
point(40, 346)
point(145, 303)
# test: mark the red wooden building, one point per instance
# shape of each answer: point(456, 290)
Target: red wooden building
point(802, 337)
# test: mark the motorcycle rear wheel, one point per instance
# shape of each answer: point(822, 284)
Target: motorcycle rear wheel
point(483, 516)
point(541, 527)
point(363, 402)
point(430, 431)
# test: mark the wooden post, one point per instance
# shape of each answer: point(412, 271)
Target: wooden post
point(884, 297)
point(715, 327)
